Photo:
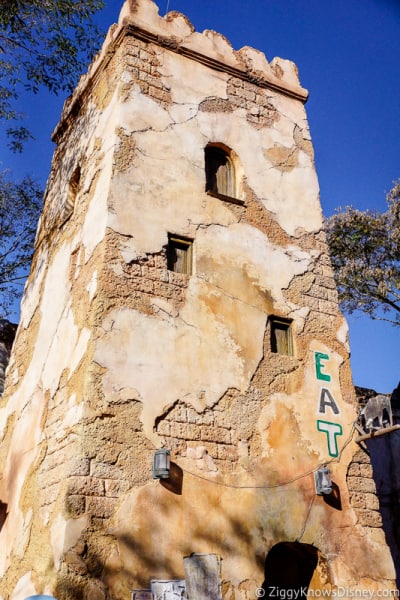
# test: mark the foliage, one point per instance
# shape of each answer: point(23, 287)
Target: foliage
point(43, 43)
point(365, 252)
point(20, 205)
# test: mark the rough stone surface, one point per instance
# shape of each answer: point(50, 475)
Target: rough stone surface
point(362, 490)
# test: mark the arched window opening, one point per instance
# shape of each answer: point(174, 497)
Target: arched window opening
point(73, 188)
point(72, 192)
point(220, 172)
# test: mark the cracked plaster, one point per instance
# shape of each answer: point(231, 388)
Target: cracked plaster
point(58, 345)
point(292, 196)
point(241, 270)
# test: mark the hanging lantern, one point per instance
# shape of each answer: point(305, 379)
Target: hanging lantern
point(323, 481)
point(161, 463)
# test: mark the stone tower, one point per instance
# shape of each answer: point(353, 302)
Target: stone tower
point(180, 296)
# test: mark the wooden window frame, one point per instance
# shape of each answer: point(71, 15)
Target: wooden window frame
point(216, 157)
point(181, 262)
point(281, 336)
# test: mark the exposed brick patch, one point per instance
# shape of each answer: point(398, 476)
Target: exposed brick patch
point(213, 436)
point(125, 152)
point(216, 105)
point(362, 490)
point(138, 282)
point(260, 112)
point(100, 507)
point(142, 67)
point(321, 295)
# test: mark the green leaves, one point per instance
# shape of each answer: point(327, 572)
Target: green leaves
point(43, 43)
point(365, 255)
point(20, 206)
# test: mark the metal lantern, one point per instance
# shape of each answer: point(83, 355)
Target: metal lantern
point(323, 481)
point(161, 463)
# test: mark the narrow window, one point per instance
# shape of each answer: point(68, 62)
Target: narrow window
point(3, 513)
point(180, 255)
point(220, 176)
point(73, 188)
point(281, 336)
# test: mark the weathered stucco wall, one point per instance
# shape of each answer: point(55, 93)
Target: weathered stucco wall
point(117, 354)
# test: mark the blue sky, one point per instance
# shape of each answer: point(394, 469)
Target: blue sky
point(347, 53)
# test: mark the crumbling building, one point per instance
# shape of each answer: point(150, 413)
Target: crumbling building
point(181, 297)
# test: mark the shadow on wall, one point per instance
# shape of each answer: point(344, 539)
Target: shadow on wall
point(89, 572)
point(288, 565)
point(288, 569)
point(175, 480)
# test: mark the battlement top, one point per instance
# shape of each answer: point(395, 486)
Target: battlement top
point(176, 33)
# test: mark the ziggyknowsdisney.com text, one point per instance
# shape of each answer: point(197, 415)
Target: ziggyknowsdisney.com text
point(338, 592)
